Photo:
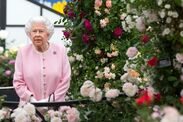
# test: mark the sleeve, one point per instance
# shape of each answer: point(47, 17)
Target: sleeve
point(18, 79)
point(64, 84)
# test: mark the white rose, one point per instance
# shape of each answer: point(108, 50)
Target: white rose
point(130, 89)
point(95, 94)
point(72, 59)
point(2, 114)
point(22, 116)
point(179, 57)
point(170, 115)
point(112, 93)
point(86, 88)
point(30, 109)
point(56, 119)
point(140, 24)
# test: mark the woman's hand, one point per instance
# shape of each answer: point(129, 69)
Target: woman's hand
point(32, 99)
point(43, 100)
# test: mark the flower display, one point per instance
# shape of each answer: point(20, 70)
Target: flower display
point(65, 113)
point(7, 61)
point(27, 113)
point(126, 56)
point(131, 54)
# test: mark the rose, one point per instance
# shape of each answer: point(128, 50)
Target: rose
point(112, 93)
point(98, 3)
point(153, 61)
point(71, 14)
point(95, 94)
point(108, 3)
point(144, 38)
point(179, 58)
point(86, 88)
point(87, 25)
point(66, 34)
point(130, 89)
point(85, 38)
point(7, 72)
point(73, 115)
point(144, 99)
point(140, 24)
point(118, 31)
point(11, 62)
point(131, 52)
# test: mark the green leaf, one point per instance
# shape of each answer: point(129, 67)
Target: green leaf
point(171, 78)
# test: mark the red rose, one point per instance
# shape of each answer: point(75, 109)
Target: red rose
point(144, 38)
point(88, 25)
point(145, 99)
point(85, 38)
point(157, 97)
point(82, 15)
point(118, 32)
point(153, 61)
point(181, 100)
point(71, 14)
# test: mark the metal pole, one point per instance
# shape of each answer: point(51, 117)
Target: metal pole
point(2, 14)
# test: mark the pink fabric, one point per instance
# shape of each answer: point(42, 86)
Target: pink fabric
point(41, 74)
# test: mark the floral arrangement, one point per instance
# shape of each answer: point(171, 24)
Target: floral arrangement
point(27, 113)
point(126, 52)
point(7, 60)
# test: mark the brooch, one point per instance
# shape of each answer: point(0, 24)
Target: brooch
point(54, 52)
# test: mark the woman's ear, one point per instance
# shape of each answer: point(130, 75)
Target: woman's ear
point(48, 34)
point(29, 34)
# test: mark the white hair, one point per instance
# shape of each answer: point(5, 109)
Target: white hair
point(39, 19)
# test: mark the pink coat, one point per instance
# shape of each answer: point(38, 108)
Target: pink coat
point(41, 74)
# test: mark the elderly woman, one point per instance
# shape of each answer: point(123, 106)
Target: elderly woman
point(42, 69)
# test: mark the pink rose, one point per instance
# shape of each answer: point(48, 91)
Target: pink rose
point(11, 62)
point(7, 72)
point(131, 52)
point(66, 34)
point(112, 93)
point(98, 3)
point(140, 24)
point(73, 115)
point(108, 4)
point(88, 25)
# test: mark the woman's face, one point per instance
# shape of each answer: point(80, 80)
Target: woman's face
point(39, 34)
